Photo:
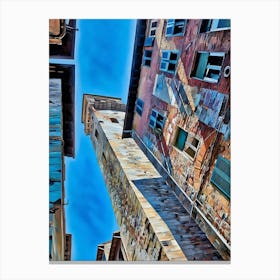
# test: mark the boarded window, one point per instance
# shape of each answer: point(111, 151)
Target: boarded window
point(221, 175)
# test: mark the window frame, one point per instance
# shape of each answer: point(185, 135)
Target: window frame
point(208, 67)
point(153, 28)
point(153, 117)
point(172, 23)
point(167, 61)
point(147, 58)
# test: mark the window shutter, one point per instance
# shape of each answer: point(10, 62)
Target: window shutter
point(181, 139)
point(221, 176)
point(149, 41)
point(201, 65)
point(139, 106)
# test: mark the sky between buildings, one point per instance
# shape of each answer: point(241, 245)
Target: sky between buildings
point(103, 56)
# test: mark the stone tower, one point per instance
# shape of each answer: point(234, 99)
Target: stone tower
point(153, 223)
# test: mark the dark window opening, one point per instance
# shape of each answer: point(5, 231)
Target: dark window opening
point(147, 58)
point(171, 67)
point(205, 25)
point(173, 56)
point(208, 25)
point(215, 60)
point(154, 24)
point(190, 152)
point(194, 142)
point(114, 120)
point(147, 62)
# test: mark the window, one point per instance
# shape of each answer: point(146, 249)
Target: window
point(96, 134)
point(175, 27)
point(114, 120)
point(208, 25)
point(153, 28)
point(169, 60)
point(187, 143)
point(221, 175)
point(208, 66)
point(147, 59)
point(139, 106)
point(156, 120)
point(191, 146)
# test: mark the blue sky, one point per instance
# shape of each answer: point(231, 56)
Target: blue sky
point(103, 57)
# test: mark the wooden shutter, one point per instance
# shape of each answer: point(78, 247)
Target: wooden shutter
point(221, 176)
point(202, 59)
point(181, 139)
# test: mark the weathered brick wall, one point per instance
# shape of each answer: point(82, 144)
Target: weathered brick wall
point(142, 230)
point(193, 176)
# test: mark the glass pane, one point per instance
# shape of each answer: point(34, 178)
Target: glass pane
point(149, 42)
point(163, 66)
point(169, 30)
point(154, 113)
point(223, 23)
point(152, 123)
point(165, 54)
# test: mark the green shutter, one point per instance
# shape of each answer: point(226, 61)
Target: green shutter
point(221, 176)
point(202, 59)
point(181, 139)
